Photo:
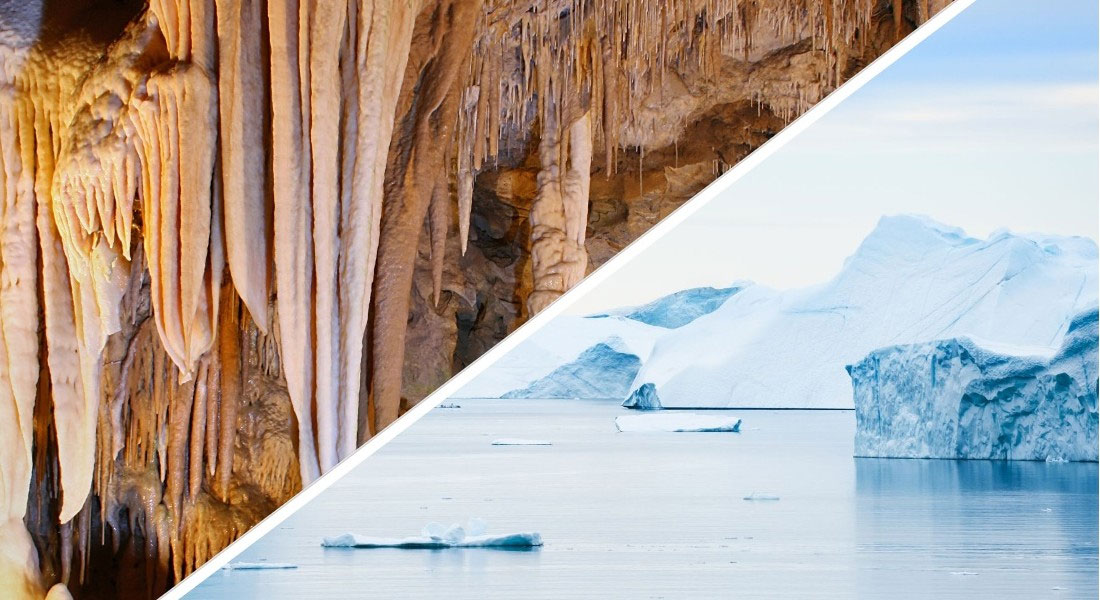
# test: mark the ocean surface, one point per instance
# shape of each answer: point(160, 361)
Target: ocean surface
point(663, 515)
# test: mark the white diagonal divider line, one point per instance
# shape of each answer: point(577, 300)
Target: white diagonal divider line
point(593, 280)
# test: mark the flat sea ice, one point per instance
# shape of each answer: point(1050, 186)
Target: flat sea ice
point(678, 422)
point(435, 536)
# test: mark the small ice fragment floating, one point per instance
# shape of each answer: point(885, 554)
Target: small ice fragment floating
point(435, 535)
point(754, 496)
point(520, 442)
point(671, 422)
point(255, 566)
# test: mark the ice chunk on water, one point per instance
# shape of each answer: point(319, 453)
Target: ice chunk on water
point(644, 398)
point(436, 535)
point(678, 422)
point(520, 442)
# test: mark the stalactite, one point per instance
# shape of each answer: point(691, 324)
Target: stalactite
point(410, 182)
point(465, 169)
point(439, 220)
point(324, 142)
point(383, 42)
point(229, 355)
point(18, 330)
point(293, 242)
point(241, 112)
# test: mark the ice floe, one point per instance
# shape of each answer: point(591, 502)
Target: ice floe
point(678, 422)
point(436, 536)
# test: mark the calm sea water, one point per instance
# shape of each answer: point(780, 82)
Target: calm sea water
point(662, 515)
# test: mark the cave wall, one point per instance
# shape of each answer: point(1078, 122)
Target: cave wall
point(239, 237)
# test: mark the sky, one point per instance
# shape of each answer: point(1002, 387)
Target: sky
point(990, 123)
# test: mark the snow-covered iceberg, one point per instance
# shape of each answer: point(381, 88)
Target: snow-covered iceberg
point(958, 398)
point(560, 342)
point(678, 422)
point(595, 356)
point(436, 536)
point(605, 370)
point(911, 280)
point(679, 308)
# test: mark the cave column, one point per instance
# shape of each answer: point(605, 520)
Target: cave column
point(559, 214)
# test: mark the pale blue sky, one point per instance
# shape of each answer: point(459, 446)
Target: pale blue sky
point(992, 122)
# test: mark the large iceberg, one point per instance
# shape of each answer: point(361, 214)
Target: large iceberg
point(911, 280)
point(958, 398)
point(605, 370)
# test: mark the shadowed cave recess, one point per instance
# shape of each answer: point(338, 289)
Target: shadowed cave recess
point(239, 237)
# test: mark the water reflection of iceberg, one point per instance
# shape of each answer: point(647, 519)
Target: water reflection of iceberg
point(885, 476)
point(917, 521)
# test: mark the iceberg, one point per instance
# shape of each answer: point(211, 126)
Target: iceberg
point(644, 398)
point(960, 398)
point(594, 356)
point(910, 281)
point(678, 422)
point(605, 370)
point(679, 308)
point(436, 536)
point(559, 342)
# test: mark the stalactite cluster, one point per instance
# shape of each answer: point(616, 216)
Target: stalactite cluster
point(212, 215)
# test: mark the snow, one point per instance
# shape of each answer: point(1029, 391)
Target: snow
point(679, 308)
point(911, 280)
point(520, 442)
point(435, 536)
point(557, 343)
point(956, 398)
point(602, 371)
point(678, 422)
